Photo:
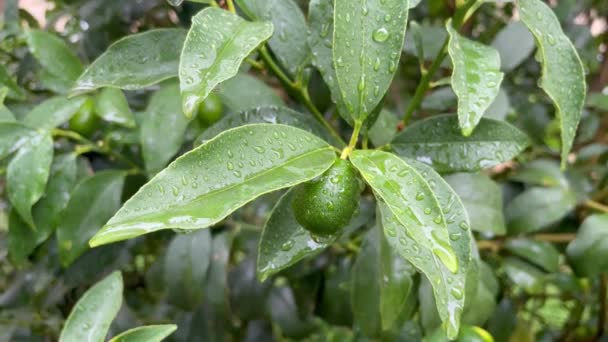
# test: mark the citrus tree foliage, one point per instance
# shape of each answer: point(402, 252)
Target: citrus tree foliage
point(323, 170)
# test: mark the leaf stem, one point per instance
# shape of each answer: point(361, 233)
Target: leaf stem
point(276, 69)
point(497, 244)
point(315, 111)
point(353, 140)
point(230, 5)
point(596, 205)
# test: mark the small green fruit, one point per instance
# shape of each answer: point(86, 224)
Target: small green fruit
point(325, 205)
point(474, 334)
point(210, 111)
point(85, 122)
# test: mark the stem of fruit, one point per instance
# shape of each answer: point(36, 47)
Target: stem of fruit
point(353, 140)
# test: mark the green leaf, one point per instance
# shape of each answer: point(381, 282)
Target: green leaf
point(162, 128)
point(112, 106)
point(537, 208)
point(588, 253)
point(92, 203)
point(563, 75)
point(135, 61)
point(598, 101)
point(28, 173)
point(5, 113)
point(514, 44)
point(523, 275)
point(540, 253)
point(411, 200)
point(437, 141)
point(499, 109)
point(232, 169)
point(288, 42)
point(185, 272)
point(482, 198)
point(14, 91)
point(365, 286)
point(480, 304)
point(384, 129)
point(320, 40)
point(543, 172)
point(284, 241)
point(216, 286)
point(55, 56)
point(92, 315)
point(266, 114)
point(432, 38)
point(13, 135)
point(53, 112)
point(244, 92)
point(148, 333)
point(215, 47)
point(21, 238)
point(367, 42)
point(476, 78)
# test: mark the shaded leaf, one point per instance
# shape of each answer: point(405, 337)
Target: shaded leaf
point(244, 92)
point(475, 80)
point(209, 59)
point(53, 112)
point(112, 106)
point(135, 61)
point(436, 141)
point(482, 198)
point(232, 169)
point(500, 107)
point(162, 128)
point(28, 173)
point(537, 208)
point(543, 172)
point(92, 315)
point(384, 129)
point(13, 135)
point(524, 275)
point(5, 113)
point(365, 52)
point(148, 333)
point(563, 75)
point(411, 200)
point(284, 241)
point(14, 91)
point(92, 203)
point(514, 43)
point(588, 253)
point(541, 253)
point(365, 286)
point(288, 42)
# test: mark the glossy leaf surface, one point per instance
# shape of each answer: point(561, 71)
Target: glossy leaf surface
point(136, 61)
point(244, 92)
point(588, 253)
point(541, 253)
point(208, 59)
point(411, 200)
point(437, 141)
point(53, 112)
point(112, 106)
point(13, 135)
point(288, 42)
point(475, 80)
point(92, 203)
point(92, 315)
point(162, 128)
point(563, 75)
point(367, 41)
point(284, 241)
point(230, 170)
point(28, 173)
point(148, 333)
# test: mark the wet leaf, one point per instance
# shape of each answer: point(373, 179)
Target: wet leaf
point(540, 253)
point(284, 241)
point(92, 203)
point(135, 62)
point(588, 253)
point(537, 208)
point(209, 59)
point(367, 42)
point(482, 198)
point(54, 56)
point(437, 141)
point(148, 333)
point(288, 42)
point(185, 272)
point(244, 92)
point(162, 128)
point(411, 200)
point(266, 114)
point(563, 75)
point(514, 43)
point(53, 112)
point(475, 80)
point(112, 106)
point(28, 173)
point(230, 170)
point(92, 315)
point(13, 135)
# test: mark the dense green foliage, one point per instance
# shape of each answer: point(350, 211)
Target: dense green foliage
point(316, 170)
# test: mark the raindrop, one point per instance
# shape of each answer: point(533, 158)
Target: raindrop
point(420, 196)
point(381, 35)
point(230, 166)
point(463, 225)
point(456, 293)
point(455, 236)
point(287, 245)
point(175, 191)
point(427, 211)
